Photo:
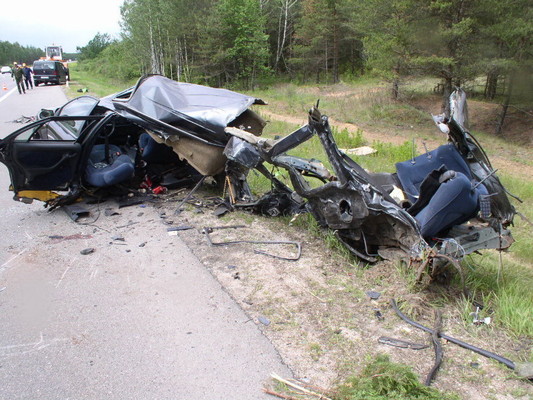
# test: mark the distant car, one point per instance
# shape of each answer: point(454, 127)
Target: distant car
point(6, 70)
point(52, 72)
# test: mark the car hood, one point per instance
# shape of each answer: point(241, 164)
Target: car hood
point(175, 108)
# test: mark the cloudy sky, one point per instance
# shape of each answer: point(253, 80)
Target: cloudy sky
point(69, 23)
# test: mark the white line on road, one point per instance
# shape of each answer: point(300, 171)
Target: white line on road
point(4, 265)
point(7, 95)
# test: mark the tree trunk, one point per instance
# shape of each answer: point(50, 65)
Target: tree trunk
point(335, 66)
point(491, 84)
point(505, 105)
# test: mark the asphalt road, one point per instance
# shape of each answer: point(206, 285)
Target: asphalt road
point(140, 320)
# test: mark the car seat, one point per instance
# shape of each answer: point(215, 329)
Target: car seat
point(157, 153)
point(439, 183)
point(107, 166)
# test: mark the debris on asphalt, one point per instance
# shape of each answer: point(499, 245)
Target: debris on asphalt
point(76, 236)
point(86, 251)
point(76, 211)
point(173, 231)
point(128, 224)
point(264, 320)
point(108, 212)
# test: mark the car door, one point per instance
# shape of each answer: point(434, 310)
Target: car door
point(44, 155)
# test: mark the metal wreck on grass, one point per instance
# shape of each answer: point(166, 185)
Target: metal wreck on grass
point(436, 207)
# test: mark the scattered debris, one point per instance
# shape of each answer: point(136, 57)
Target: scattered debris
point(24, 120)
point(108, 212)
point(118, 237)
point(359, 151)
point(379, 314)
point(222, 209)
point(437, 347)
point(128, 224)
point(208, 230)
point(76, 211)
point(173, 231)
point(86, 251)
point(477, 320)
point(60, 238)
point(373, 295)
point(130, 201)
point(189, 195)
point(510, 364)
point(297, 386)
point(402, 343)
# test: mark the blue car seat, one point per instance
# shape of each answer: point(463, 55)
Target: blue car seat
point(439, 183)
point(102, 170)
point(157, 153)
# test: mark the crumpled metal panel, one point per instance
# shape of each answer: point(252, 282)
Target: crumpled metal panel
point(171, 107)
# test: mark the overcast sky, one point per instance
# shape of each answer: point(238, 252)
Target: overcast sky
point(69, 23)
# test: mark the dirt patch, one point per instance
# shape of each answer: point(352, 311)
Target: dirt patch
point(317, 313)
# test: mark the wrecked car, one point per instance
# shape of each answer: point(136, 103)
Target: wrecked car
point(446, 203)
point(91, 144)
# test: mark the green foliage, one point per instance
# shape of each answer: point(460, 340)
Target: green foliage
point(115, 62)
point(95, 46)
point(98, 85)
point(14, 52)
point(506, 288)
point(244, 46)
point(382, 379)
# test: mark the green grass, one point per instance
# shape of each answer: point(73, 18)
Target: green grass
point(505, 288)
point(510, 295)
point(97, 85)
point(382, 379)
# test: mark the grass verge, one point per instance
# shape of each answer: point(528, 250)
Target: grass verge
point(85, 83)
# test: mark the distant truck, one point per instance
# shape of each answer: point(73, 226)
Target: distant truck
point(55, 53)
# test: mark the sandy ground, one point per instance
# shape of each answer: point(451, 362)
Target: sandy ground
point(317, 313)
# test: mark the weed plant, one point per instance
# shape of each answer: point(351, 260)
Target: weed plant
point(382, 379)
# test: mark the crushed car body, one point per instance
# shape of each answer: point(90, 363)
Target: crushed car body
point(451, 201)
point(92, 143)
point(448, 201)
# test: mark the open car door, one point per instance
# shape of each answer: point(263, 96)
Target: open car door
point(43, 156)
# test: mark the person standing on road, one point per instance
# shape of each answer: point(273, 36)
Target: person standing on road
point(27, 75)
point(19, 78)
